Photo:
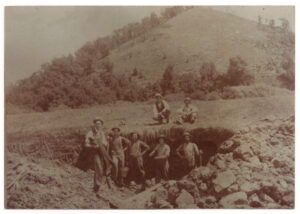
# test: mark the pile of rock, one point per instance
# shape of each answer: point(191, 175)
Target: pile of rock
point(253, 169)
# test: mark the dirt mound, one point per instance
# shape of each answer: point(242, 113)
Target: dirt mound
point(43, 184)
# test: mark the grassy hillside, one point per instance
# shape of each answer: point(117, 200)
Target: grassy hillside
point(196, 36)
point(203, 50)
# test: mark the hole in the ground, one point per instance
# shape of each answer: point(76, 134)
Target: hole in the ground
point(207, 139)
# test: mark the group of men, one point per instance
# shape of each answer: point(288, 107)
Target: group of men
point(109, 153)
point(186, 113)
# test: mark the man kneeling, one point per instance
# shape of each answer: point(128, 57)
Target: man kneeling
point(161, 110)
point(187, 113)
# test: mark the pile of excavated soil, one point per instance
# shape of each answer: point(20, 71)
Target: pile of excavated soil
point(44, 184)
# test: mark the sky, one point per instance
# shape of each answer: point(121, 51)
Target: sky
point(36, 35)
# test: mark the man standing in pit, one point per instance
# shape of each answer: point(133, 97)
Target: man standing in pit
point(161, 109)
point(188, 152)
point(117, 151)
point(187, 113)
point(136, 164)
point(162, 153)
point(96, 142)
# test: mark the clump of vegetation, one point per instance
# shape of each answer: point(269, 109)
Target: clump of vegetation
point(287, 75)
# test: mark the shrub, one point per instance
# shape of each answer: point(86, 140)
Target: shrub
point(287, 76)
point(237, 73)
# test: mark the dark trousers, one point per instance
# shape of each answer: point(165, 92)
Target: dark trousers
point(161, 169)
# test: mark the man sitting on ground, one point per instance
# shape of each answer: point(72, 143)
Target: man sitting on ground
point(187, 113)
point(161, 109)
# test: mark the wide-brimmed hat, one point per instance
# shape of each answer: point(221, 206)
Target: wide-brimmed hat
point(186, 134)
point(162, 136)
point(187, 99)
point(134, 132)
point(157, 95)
point(98, 119)
point(116, 128)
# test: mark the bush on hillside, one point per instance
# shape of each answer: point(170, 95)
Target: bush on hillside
point(237, 73)
point(287, 76)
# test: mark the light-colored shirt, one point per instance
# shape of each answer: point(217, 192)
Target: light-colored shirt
point(187, 109)
point(156, 111)
point(188, 151)
point(161, 151)
point(95, 136)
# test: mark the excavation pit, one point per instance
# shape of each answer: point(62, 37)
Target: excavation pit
point(207, 139)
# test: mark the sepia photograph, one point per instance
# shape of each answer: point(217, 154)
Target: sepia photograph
point(149, 107)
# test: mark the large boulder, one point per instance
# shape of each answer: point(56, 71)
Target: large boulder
point(233, 200)
point(185, 199)
point(224, 180)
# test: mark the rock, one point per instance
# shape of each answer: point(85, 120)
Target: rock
point(162, 204)
point(255, 201)
point(256, 204)
point(187, 185)
point(223, 180)
point(233, 188)
point(249, 187)
point(208, 202)
point(173, 193)
point(220, 164)
point(275, 142)
point(203, 187)
point(231, 200)
point(184, 199)
point(289, 199)
point(160, 194)
point(205, 173)
point(268, 198)
point(228, 146)
point(278, 164)
point(255, 162)
point(243, 152)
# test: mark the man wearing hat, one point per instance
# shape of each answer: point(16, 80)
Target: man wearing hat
point(117, 151)
point(95, 140)
point(161, 109)
point(136, 152)
point(187, 113)
point(188, 152)
point(162, 153)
